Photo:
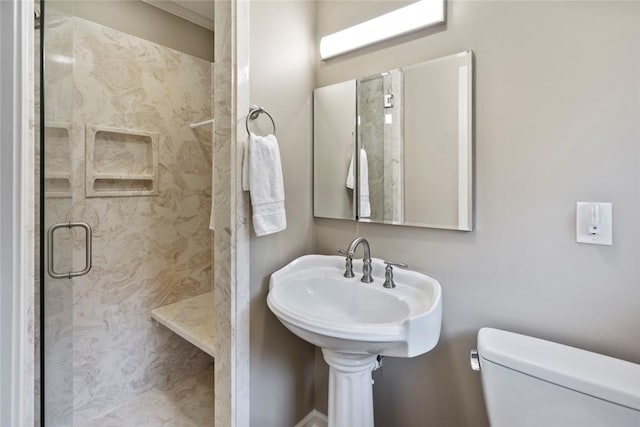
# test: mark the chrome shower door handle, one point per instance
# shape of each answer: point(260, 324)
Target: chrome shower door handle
point(88, 250)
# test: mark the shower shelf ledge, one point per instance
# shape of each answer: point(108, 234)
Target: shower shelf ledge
point(192, 319)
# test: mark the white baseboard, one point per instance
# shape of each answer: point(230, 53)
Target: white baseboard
point(314, 418)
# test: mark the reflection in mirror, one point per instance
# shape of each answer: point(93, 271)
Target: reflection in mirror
point(414, 134)
point(334, 112)
point(380, 107)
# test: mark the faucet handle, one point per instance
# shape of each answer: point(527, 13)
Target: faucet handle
point(396, 264)
point(348, 263)
point(388, 273)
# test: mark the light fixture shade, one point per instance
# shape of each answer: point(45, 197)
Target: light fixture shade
point(410, 18)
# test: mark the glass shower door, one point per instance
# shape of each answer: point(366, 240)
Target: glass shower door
point(119, 156)
point(65, 240)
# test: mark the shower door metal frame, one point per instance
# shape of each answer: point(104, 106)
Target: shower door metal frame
point(41, 25)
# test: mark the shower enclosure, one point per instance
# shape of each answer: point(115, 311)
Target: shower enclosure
point(123, 216)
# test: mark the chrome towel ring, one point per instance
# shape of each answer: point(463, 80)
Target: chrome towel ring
point(254, 113)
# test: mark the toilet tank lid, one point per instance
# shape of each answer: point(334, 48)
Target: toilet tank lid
point(594, 374)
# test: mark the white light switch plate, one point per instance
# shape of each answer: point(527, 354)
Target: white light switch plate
point(590, 215)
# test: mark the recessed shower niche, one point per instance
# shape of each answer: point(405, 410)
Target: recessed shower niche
point(57, 160)
point(121, 162)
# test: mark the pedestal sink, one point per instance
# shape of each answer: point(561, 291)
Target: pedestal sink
point(354, 322)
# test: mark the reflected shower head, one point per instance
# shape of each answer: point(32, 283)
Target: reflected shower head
point(36, 15)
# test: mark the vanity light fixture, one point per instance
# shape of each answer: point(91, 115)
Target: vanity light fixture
point(410, 18)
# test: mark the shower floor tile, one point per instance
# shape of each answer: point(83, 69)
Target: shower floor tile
point(186, 403)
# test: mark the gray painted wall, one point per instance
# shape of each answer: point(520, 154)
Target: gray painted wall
point(557, 118)
point(281, 80)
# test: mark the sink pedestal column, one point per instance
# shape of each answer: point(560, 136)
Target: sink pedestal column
point(350, 388)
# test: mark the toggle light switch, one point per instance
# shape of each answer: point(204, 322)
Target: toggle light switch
point(594, 223)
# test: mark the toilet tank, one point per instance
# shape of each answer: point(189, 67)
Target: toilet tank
point(529, 382)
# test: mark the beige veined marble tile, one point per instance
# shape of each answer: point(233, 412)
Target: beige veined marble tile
point(187, 403)
point(192, 319)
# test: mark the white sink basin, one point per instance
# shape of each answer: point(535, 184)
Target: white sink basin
point(313, 300)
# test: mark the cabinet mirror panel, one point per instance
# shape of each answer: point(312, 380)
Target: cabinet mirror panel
point(396, 147)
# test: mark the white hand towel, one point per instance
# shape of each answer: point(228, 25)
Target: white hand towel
point(365, 205)
point(264, 171)
point(351, 175)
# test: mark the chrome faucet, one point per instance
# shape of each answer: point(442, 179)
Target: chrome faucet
point(366, 261)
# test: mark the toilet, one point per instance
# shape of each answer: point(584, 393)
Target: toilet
point(529, 382)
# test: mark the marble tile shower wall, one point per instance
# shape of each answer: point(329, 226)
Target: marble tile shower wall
point(148, 251)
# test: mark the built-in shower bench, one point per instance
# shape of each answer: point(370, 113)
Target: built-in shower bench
point(192, 319)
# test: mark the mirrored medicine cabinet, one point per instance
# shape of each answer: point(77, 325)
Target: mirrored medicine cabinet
point(397, 147)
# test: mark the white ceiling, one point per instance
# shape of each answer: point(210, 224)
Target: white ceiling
point(200, 12)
